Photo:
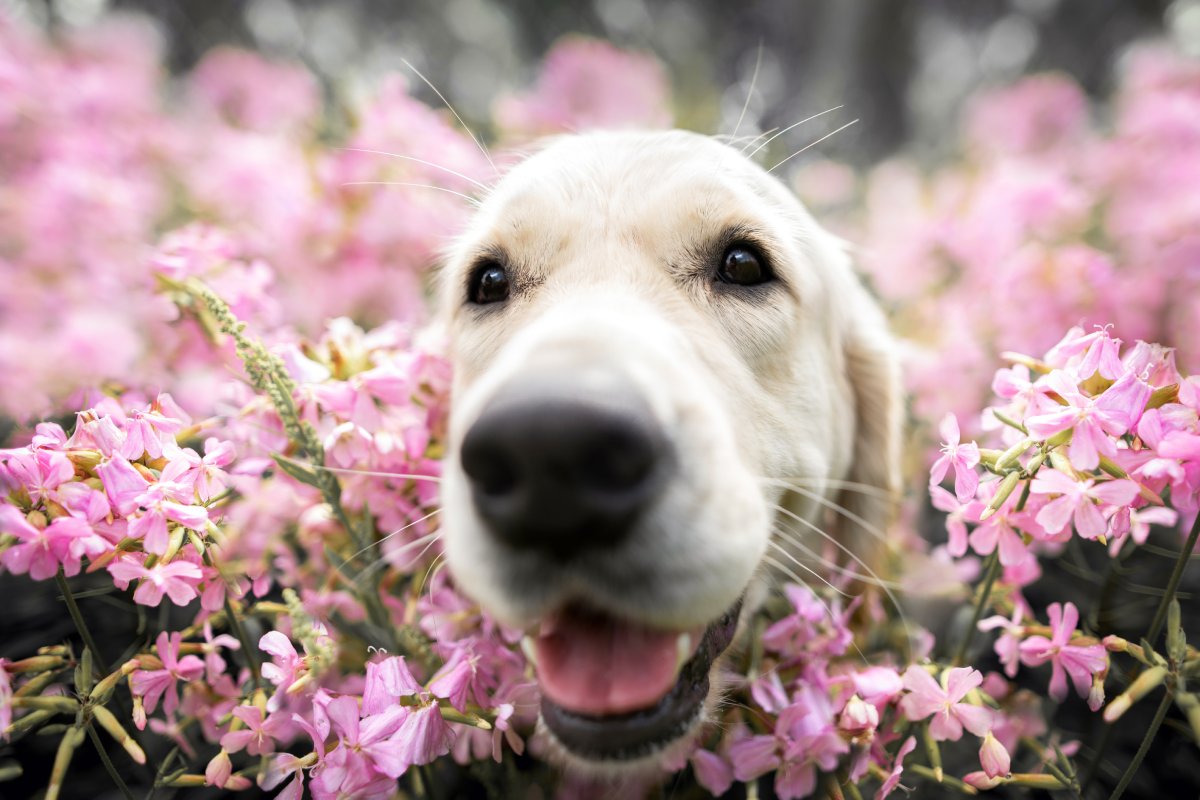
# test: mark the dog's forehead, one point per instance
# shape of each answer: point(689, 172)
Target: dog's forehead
point(649, 185)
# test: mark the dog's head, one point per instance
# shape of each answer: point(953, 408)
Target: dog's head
point(652, 341)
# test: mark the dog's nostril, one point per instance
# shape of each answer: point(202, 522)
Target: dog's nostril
point(557, 471)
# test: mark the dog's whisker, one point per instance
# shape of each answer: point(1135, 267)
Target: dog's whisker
point(784, 552)
point(753, 140)
point(473, 201)
point(895, 601)
point(461, 121)
point(835, 483)
point(794, 125)
point(367, 472)
point(813, 144)
point(840, 509)
point(382, 563)
point(399, 531)
point(750, 91)
point(447, 170)
point(828, 611)
point(793, 538)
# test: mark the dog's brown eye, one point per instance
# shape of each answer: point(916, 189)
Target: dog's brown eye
point(489, 284)
point(742, 266)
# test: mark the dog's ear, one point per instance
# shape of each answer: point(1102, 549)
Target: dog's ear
point(872, 368)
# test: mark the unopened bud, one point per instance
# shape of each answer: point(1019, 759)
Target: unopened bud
point(1006, 489)
point(1141, 686)
point(109, 722)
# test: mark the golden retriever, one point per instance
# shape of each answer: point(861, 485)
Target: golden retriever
point(658, 354)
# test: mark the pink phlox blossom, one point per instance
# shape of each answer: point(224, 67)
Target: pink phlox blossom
point(204, 473)
point(1100, 353)
point(810, 738)
point(177, 579)
point(259, 734)
point(386, 682)
point(122, 483)
point(944, 702)
point(286, 664)
point(768, 692)
point(214, 664)
point(1082, 502)
point(151, 685)
point(41, 551)
point(1003, 530)
point(146, 432)
point(174, 729)
point(1008, 644)
point(1080, 662)
point(159, 503)
point(1094, 421)
point(963, 457)
point(712, 771)
point(40, 472)
point(878, 685)
point(455, 681)
point(1134, 523)
point(892, 781)
point(957, 514)
point(814, 630)
point(96, 431)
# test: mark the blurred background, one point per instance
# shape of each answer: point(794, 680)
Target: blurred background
point(903, 68)
point(1066, 200)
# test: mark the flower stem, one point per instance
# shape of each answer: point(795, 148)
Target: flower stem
point(80, 624)
point(985, 591)
point(1144, 748)
point(108, 765)
point(1160, 616)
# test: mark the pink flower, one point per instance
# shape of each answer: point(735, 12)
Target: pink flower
point(178, 579)
point(122, 483)
point(893, 779)
point(956, 515)
point(158, 504)
point(1093, 420)
point(1008, 643)
point(962, 457)
point(286, 664)
point(993, 757)
point(1077, 500)
point(1078, 661)
point(154, 684)
point(258, 737)
point(386, 682)
point(712, 772)
point(40, 551)
point(146, 432)
point(950, 715)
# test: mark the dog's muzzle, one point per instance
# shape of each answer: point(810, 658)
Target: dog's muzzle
point(566, 471)
point(561, 472)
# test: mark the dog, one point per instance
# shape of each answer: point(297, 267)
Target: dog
point(658, 354)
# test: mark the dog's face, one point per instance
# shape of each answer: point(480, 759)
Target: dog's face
point(650, 336)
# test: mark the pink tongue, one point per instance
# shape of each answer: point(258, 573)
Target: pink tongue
point(598, 665)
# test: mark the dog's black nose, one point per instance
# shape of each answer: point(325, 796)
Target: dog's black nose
point(561, 470)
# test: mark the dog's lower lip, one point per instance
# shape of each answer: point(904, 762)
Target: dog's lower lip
point(622, 737)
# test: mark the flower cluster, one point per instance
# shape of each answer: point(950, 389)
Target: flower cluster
point(264, 414)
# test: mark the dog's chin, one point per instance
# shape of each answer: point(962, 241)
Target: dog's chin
point(611, 739)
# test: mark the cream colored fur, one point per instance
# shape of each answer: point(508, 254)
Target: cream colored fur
point(608, 239)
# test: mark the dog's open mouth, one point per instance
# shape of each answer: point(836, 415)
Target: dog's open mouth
point(614, 690)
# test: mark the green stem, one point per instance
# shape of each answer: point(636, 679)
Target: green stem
point(985, 591)
point(1160, 616)
point(1147, 740)
point(80, 624)
point(108, 764)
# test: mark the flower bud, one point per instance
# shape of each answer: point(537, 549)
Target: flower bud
point(109, 722)
point(218, 771)
point(981, 780)
point(1140, 687)
point(858, 716)
point(993, 757)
